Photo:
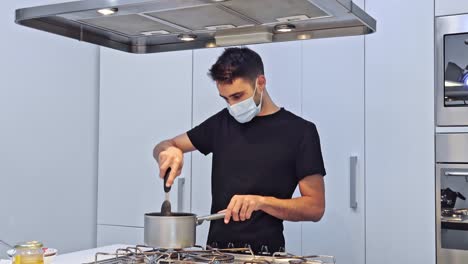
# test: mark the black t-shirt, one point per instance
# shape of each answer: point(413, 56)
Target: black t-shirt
point(267, 156)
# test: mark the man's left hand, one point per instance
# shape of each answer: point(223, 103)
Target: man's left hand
point(241, 207)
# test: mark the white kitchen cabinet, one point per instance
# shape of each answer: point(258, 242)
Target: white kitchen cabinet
point(282, 63)
point(111, 235)
point(333, 99)
point(143, 99)
point(206, 102)
point(400, 162)
point(450, 7)
point(282, 69)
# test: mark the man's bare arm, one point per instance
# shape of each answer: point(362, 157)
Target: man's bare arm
point(309, 207)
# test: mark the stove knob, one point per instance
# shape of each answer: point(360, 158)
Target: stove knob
point(264, 250)
point(230, 245)
point(213, 245)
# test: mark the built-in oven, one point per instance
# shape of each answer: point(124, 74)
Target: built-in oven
point(451, 43)
point(451, 202)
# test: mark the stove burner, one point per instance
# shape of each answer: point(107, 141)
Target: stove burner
point(214, 257)
point(145, 255)
point(259, 261)
point(296, 261)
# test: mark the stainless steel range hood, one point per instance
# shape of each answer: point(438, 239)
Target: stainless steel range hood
point(148, 26)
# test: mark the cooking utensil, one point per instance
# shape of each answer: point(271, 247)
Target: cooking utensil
point(166, 205)
point(448, 197)
point(10, 252)
point(6, 244)
point(175, 231)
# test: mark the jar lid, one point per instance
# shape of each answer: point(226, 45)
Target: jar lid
point(29, 245)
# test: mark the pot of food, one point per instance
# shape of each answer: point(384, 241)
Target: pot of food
point(175, 231)
point(172, 230)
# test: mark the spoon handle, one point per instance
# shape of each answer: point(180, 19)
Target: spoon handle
point(6, 244)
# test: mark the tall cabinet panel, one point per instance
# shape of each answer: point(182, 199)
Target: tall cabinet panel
point(282, 63)
point(282, 69)
point(400, 162)
point(206, 102)
point(333, 98)
point(143, 100)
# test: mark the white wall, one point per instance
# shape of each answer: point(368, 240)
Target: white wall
point(400, 191)
point(48, 136)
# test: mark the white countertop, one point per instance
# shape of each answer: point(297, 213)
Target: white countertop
point(86, 256)
point(83, 256)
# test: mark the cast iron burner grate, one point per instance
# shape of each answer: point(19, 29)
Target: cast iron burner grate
point(198, 255)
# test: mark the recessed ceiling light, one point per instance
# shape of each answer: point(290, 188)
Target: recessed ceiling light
point(187, 37)
point(211, 45)
point(304, 36)
point(108, 11)
point(284, 28)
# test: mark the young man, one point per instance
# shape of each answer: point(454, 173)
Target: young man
point(261, 152)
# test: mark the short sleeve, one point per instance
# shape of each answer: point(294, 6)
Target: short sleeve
point(202, 136)
point(309, 158)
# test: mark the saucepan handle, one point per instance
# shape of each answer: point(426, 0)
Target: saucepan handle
point(212, 217)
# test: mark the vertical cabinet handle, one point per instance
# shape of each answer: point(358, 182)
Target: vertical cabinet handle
point(353, 161)
point(180, 194)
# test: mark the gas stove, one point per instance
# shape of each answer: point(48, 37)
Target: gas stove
point(198, 255)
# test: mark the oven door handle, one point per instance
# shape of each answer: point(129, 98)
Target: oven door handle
point(457, 173)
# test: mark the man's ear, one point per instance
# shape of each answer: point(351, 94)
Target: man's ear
point(261, 82)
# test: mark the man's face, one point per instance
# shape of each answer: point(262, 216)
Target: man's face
point(238, 91)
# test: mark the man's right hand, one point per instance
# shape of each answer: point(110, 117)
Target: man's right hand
point(173, 158)
point(170, 154)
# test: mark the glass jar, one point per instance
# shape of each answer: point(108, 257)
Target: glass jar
point(29, 253)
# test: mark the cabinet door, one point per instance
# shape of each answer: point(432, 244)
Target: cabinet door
point(333, 98)
point(143, 99)
point(282, 63)
point(282, 70)
point(206, 102)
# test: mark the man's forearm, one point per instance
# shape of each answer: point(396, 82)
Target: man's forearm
point(297, 209)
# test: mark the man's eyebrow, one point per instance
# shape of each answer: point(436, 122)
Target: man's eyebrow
point(234, 94)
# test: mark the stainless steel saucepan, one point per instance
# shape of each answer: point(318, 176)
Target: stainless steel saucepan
point(175, 231)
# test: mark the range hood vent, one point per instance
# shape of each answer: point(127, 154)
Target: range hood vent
point(149, 26)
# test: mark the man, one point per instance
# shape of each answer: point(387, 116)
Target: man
point(261, 152)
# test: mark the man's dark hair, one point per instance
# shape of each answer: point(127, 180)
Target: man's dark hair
point(237, 63)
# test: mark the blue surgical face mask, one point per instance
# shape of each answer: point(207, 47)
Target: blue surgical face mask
point(246, 110)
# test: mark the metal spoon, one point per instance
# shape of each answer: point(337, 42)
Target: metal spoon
point(6, 244)
point(166, 205)
point(11, 252)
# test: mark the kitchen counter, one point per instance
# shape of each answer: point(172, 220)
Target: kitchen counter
point(85, 256)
